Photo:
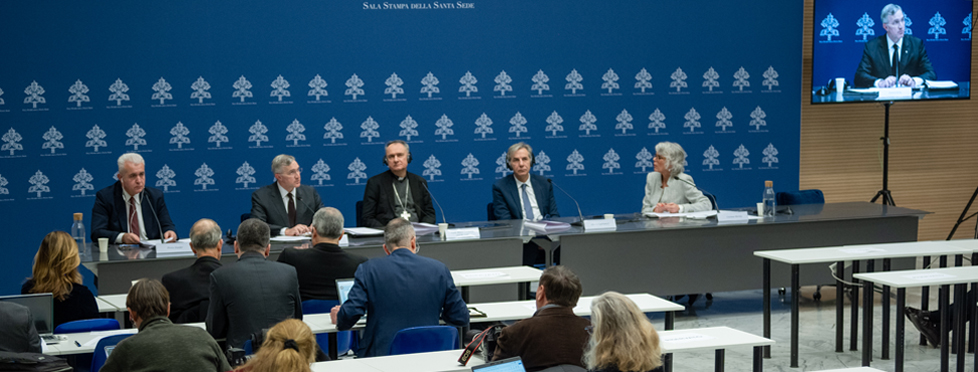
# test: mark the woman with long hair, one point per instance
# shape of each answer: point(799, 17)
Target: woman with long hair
point(290, 346)
point(55, 271)
point(622, 338)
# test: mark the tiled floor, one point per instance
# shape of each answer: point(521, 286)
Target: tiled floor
point(743, 310)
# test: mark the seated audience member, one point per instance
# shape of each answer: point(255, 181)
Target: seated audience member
point(286, 205)
point(667, 188)
point(17, 332)
point(161, 345)
point(399, 291)
point(554, 335)
point(56, 272)
point(190, 287)
point(290, 346)
point(622, 338)
point(320, 266)
point(253, 293)
point(128, 211)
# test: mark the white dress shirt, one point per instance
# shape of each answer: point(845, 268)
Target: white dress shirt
point(533, 199)
point(139, 214)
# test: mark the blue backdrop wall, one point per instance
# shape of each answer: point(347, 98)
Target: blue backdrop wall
point(842, 28)
point(209, 93)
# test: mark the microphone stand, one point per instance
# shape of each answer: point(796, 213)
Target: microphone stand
point(425, 185)
point(578, 223)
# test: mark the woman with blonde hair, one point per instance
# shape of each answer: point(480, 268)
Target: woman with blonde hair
point(290, 346)
point(56, 271)
point(622, 339)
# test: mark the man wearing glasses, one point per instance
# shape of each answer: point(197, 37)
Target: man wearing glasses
point(286, 205)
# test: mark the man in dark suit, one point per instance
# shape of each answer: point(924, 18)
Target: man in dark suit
point(253, 293)
point(554, 335)
point(286, 205)
point(396, 192)
point(523, 195)
point(319, 267)
point(399, 291)
point(17, 332)
point(127, 211)
point(190, 287)
point(894, 59)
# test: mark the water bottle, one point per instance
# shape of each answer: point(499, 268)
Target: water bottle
point(78, 232)
point(768, 199)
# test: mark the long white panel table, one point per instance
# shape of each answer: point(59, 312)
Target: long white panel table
point(439, 361)
point(957, 276)
point(839, 255)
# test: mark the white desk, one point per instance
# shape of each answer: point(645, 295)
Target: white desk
point(521, 275)
point(839, 255)
point(857, 369)
point(714, 338)
point(439, 361)
point(958, 276)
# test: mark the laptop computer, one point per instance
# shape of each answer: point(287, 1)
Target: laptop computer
point(514, 364)
point(41, 306)
point(343, 287)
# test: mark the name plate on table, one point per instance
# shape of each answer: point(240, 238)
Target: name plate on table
point(895, 93)
point(732, 217)
point(604, 224)
point(344, 241)
point(462, 234)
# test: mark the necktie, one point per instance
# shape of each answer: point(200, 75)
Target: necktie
point(896, 61)
point(133, 217)
point(291, 210)
point(527, 207)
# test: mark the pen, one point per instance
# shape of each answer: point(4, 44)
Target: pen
point(77, 344)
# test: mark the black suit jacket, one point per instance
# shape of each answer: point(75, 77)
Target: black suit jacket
point(379, 201)
point(553, 336)
point(250, 295)
point(266, 205)
point(875, 63)
point(17, 333)
point(190, 290)
point(109, 213)
point(319, 267)
point(506, 198)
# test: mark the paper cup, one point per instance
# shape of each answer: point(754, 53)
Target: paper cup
point(103, 245)
point(760, 209)
point(442, 227)
point(840, 85)
point(609, 216)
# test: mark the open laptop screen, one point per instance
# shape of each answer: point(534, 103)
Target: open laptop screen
point(343, 287)
point(42, 310)
point(514, 364)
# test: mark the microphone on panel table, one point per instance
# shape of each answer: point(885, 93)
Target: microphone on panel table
point(142, 198)
point(713, 202)
point(425, 185)
point(578, 223)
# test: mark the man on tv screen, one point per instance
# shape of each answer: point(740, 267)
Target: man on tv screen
point(894, 59)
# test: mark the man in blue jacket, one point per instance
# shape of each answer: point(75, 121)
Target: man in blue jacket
point(399, 291)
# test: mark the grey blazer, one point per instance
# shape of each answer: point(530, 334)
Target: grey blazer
point(680, 191)
point(266, 205)
point(250, 295)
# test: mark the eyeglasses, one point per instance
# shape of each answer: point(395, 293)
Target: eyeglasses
point(294, 172)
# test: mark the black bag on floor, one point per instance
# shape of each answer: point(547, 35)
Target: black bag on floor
point(32, 362)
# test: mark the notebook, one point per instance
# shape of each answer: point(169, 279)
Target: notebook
point(42, 310)
point(514, 364)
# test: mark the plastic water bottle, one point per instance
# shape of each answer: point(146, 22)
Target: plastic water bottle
point(768, 199)
point(78, 232)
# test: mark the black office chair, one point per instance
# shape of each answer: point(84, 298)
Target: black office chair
point(490, 216)
point(245, 216)
point(359, 209)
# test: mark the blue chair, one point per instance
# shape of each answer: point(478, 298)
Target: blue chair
point(424, 339)
point(813, 196)
point(343, 339)
point(87, 325)
point(98, 356)
point(248, 349)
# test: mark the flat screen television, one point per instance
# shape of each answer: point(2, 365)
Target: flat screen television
point(852, 52)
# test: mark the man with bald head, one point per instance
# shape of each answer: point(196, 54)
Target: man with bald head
point(190, 287)
point(319, 267)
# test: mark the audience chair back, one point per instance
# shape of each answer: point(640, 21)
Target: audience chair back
point(424, 339)
point(813, 196)
point(344, 339)
point(87, 325)
point(98, 356)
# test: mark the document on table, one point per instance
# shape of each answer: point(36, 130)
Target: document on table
point(695, 215)
point(941, 84)
point(290, 239)
point(363, 231)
